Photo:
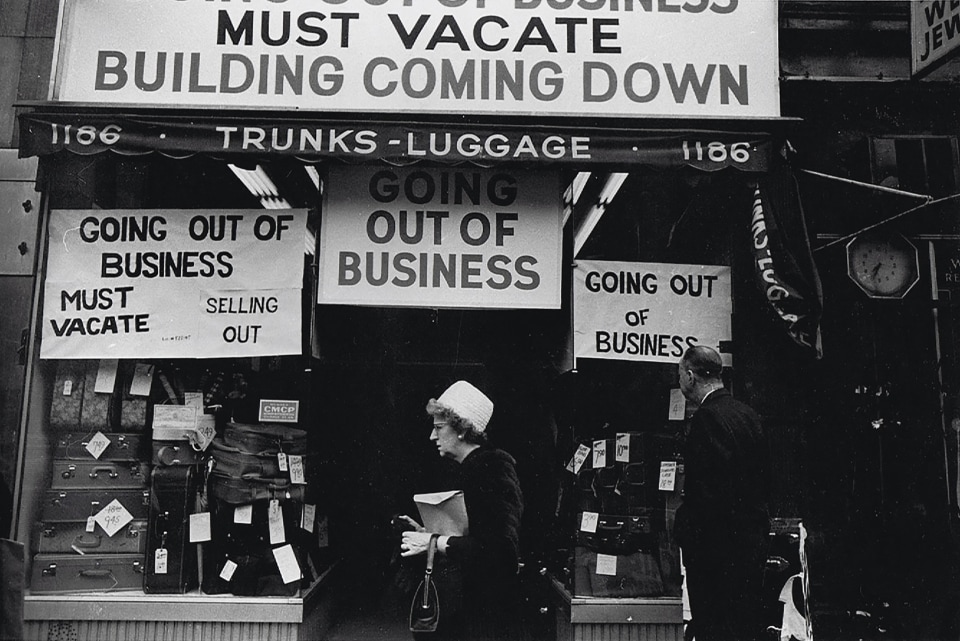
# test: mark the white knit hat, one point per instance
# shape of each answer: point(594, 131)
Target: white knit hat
point(469, 403)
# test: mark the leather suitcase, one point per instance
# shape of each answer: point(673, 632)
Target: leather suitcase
point(71, 537)
point(66, 399)
point(98, 412)
point(60, 573)
point(167, 453)
point(240, 491)
point(71, 474)
point(231, 461)
point(123, 447)
point(79, 504)
point(173, 498)
point(265, 438)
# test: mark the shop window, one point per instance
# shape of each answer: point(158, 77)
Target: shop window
point(924, 165)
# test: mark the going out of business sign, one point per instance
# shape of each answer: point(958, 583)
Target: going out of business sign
point(163, 283)
point(539, 57)
point(934, 33)
point(648, 311)
point(441, 237)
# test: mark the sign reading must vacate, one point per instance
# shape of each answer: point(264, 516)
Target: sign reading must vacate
point(173, 283)
point(649, 311)
point(444, 237)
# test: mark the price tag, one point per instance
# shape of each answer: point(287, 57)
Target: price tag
point(275, 523)
point(205, 431)
point(588, 522)
point(282, 461)
point(579, 458)
point(308, 517)
point(67, 387)
point(142, 380)
point(607, 564)
point(296, 469)
point(113, 517)
point(600, 453)
point(200, 527)
point(91, 523)
point(193, 399)
point(98, 444)
point(678, 405)
point(668, 476)
point(287, 562)
point(323, 532)
point(228, 569)
point(106, 376)
point(243, 514)
point(160, 561)
point(623, 448)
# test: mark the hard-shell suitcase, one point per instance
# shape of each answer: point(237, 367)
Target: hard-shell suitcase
point(265, 438)
point(94, 474)
point(66, 400)
point(240, 491)
point(98, 412)
point(122, 447)
point(171, 558)
point(59, 573)
point(72, 537)
point(79, 504)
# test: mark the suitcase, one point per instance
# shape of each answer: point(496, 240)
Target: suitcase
point(71, 537)
point(622, 575)
point(134, 410)
point(173, 498)
point(231, 461)
point(265, 438)
point(123, 447)
point(71, 474)
point(97, 412)
point(66, 400)
point(622, 534)
point(167, 453)
point(79, 504)
point(60, 573)
point(240, 491)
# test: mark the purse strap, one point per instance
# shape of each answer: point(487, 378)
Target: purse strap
point(431, 552)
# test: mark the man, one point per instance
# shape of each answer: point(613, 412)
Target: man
point(722, 524)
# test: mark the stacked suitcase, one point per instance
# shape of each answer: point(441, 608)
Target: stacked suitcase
point(623, 544)
point(91, 533)
point(263, 521)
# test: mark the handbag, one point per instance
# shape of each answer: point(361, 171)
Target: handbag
point(425, 608)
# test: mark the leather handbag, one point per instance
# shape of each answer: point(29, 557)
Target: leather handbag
point(425, 608)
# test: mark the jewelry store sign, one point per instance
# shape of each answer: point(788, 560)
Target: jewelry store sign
point(173, 283)
point(649, 311)
point(441, 237)
point(616, 58)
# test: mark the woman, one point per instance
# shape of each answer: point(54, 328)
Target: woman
point(488, 554)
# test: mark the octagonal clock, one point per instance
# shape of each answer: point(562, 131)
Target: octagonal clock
point(883, 264)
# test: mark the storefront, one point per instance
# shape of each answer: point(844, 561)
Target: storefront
point(398, 197)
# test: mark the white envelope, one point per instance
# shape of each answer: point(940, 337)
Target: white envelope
point(443, 512)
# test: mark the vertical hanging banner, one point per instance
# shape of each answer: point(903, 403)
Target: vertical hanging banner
point(648, 311)
point(441, 237)
point(173, 283)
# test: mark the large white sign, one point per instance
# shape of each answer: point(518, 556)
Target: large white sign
point(164, 283)
point(934, 32)
point(444, 237)
point(648, 311)
point(623, 58)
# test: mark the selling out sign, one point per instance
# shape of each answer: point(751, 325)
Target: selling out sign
point(620, 58)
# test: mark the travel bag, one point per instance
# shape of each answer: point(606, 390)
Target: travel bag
point(60, 573)
point(240, 491)
point(73, 474)
point(171, 560)
point(134, 410)
point(232, 461)
point(72, 537)
point(265, 438)
point(79, 504)
point(122, 447)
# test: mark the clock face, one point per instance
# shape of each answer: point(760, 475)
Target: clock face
point(885, 267)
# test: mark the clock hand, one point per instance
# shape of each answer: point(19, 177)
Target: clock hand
point(875, 270)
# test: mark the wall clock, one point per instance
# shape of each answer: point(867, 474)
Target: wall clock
point(883, 264)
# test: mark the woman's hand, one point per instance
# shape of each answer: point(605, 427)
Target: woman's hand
point(414, 543)
point(413, 524)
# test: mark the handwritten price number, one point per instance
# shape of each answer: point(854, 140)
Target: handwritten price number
point(738, 152)
point(85, 134)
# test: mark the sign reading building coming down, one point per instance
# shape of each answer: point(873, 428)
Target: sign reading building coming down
point(622, 58)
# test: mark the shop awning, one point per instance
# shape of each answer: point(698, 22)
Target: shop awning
point(313, 139)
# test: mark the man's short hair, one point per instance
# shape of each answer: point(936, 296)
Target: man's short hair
point(703, 361)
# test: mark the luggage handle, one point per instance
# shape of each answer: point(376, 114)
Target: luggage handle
point(109, 469)
point(96, 574)
point(84, 541)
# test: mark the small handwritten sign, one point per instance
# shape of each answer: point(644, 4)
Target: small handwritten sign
point(98, 444)
point(113, 517)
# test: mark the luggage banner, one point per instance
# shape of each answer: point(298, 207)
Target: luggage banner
point(163, 283)
point(431, 237)
point(648, 311)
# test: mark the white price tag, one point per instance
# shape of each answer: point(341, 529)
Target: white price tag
point(91, 523)
point(296, 469)
point(98, 444)
point(206, 430)
point(193, 399)
point(228, 569)
point(67, 387)
point(308, 517)
point(200, 527)
point(275, 523)
point(668, 476)
point(607, 564)
point(282, 461)
point(106, 376)
point(243, 514)
point(113, 517)
point(678, 405)
point(600, 453)
point(160, 561)
point(623, 448)
point(588, 522)
point(287, 562)
point(579, 458)
point(142, 380)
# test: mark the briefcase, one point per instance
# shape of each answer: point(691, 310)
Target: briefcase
point(79, 504)
point(72, 474)
point(72, 537)
point(121, 447)
point(171, 561)
point(60, 573)
point(66, 400)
